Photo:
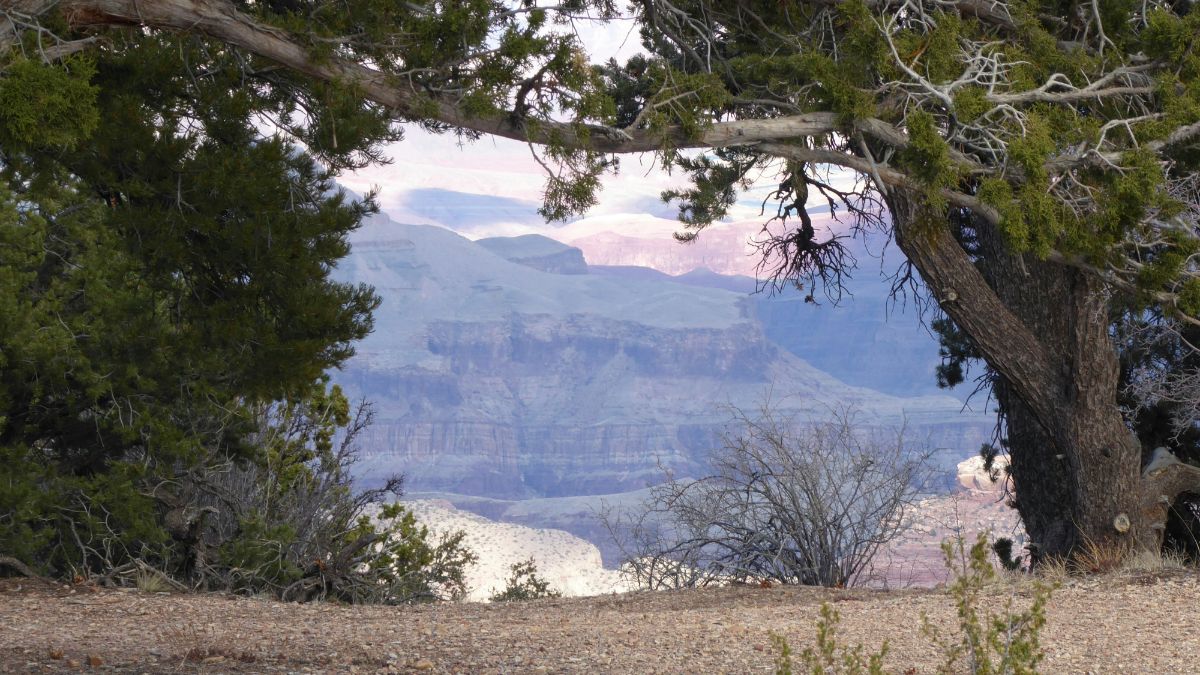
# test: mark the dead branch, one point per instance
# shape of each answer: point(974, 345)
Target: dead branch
point(21, 568)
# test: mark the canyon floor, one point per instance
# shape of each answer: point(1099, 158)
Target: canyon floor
point(1125, 623)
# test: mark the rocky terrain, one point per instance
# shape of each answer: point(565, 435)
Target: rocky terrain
point(866, 337)
point(1128, 623)
point(976, 504)
point(571, 565)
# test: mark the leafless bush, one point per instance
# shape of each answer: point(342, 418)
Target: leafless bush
point(785, 503)
point(304, 488)
point(1166, 373)
point(292, 524)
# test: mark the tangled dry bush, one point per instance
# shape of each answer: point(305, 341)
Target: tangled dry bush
point(785, 503)
point(283, 519)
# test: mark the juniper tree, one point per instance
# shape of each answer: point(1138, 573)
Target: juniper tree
point(1035, 161)
point(165, 270)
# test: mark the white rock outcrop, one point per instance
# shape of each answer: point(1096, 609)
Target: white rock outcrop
point(571, 565)
point(973, 476)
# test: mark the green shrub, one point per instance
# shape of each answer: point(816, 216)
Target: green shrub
point(292, 523)
point(409, 565)
point(1003, 548)
point(525, 584)
point(829, 656)
point(285, 520)
point(987, 643)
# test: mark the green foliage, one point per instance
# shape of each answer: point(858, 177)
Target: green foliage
point(524, 584)
point(292, 525)
point(956, 349)
point(828, 657)
point(863, 54)
point(415, 566)
point(927, 157)
point(1003, 548)
point(715, 181)
point(565, 196)
point(47, 105)
point(66, 525)
point(1040, 223)
point(27, 511)
point(970, 103)
point(783, 659)
point(152, 296)
point(992, 86)
point(1189, 297)
point(998, 193)
point(259, 552)
point(832, 84)
point(940, 55)
point(688, 101)
point(154, 299)
point(150, 287)
point(987, 643)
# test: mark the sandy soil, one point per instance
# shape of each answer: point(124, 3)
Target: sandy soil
point(1127, 624)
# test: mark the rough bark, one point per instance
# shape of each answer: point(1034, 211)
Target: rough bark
point(1076, 472)
point(1043, 328)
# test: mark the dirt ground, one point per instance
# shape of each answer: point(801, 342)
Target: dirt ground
point(1127, 624)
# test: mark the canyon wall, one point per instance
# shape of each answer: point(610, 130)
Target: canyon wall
point(505, 369)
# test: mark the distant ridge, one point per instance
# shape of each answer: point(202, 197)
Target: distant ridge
point(495, 378)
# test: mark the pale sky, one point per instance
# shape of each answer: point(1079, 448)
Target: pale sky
point(499, 167)
point(427, 169)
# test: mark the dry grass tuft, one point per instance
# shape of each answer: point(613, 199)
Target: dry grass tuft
point(1054, 570)
point(152, 581)
point(1154, 561)
point(1110, 559)
point(1099, 557)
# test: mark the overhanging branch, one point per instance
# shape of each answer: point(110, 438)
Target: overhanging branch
point(963, 293)
point(221, 21)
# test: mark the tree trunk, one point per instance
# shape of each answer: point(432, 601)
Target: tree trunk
point(1077, 473)
point(1044, 329)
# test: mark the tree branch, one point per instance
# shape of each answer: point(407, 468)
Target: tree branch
point(20, 567)
point(1163, 480)
point(221, 21)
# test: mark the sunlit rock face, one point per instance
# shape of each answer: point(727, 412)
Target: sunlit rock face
point(504, 369)
point(868, 333)
point(977, 504)
point(975, 476)
point(572, 566)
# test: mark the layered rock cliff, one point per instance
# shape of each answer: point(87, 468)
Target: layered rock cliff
point(494, 376)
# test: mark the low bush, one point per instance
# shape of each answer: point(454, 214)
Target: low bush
point(279, 515)
point(787, 502)
point(525, 584)
point(986, 642)
point(828, 656)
